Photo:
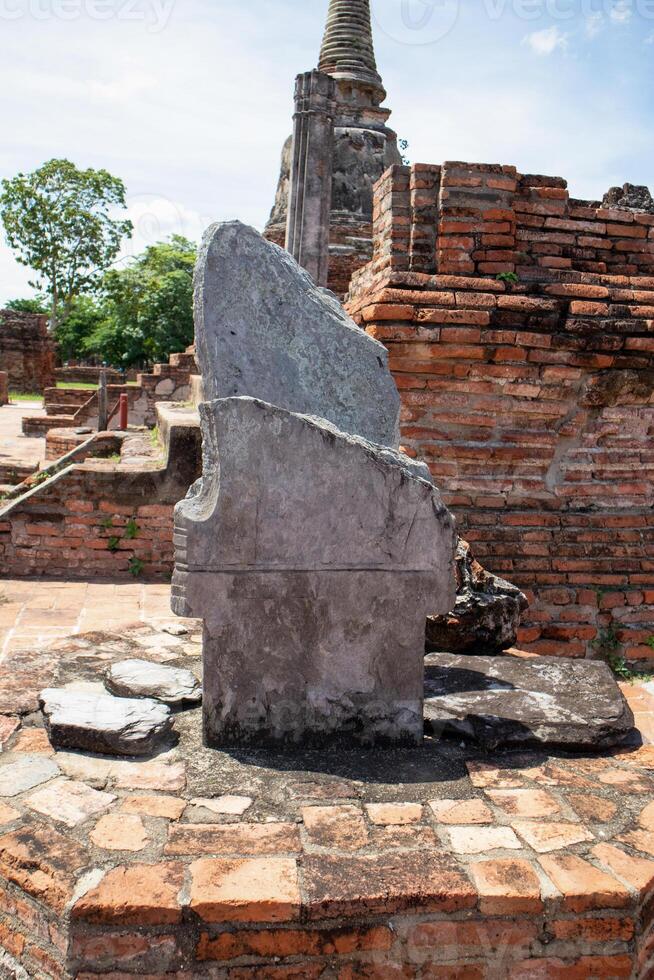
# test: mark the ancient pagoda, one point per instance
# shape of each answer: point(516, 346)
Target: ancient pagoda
point(342, 146)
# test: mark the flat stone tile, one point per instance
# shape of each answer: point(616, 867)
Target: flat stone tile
point(119, 832)
point(478, 840)
point(525, 802)
point(461, 811)
point(233, 838)
point(224, 805)
point(506, 886)
point(545, 837)
point(69, 802)
point(24, 772)
point(583, 887)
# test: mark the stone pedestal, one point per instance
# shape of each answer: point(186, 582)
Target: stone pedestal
point(310, 191)
point(313, 558)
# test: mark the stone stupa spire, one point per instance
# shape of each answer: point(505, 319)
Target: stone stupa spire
point(347, 47)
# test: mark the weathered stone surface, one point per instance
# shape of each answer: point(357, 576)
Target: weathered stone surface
point(487, 613)
point(104, 724)
point(144, 679)
point(265, 330)
point(497, 701)
point(69, 802)
point(25, 772)
point(325, 633)
point(630, 196)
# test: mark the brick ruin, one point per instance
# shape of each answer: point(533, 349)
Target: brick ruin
point(531, 400)
point(27, 351)
point(4, 387)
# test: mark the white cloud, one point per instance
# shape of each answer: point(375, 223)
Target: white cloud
point(594, 24)
point(547, 41)
point(622, 11)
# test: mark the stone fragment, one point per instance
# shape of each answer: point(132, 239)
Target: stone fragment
point(486, 616)
point(144, 679)
point(8, 814)
point(119, 832)
point(497, 701)
point(461, 811)
point(394, 814)
point(531, 803)
point(265, 330)
point(324, 635)
point(341, 827)
point(478, 840)
point(25, 772)
point(546, 837)
point(632, 197)
point(233, 838)
point(168, 807)
point(112, 726)
point(224, 805)
point(69, 802)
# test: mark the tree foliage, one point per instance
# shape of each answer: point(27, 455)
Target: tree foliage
point(148, 306)
point(61, 223)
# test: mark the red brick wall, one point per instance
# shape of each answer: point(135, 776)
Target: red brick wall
point(483, 219)
point(77, 525)
point(534, 407)
point(27, 351)
point(4, 387)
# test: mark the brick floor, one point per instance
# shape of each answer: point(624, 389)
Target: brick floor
point(34, 613)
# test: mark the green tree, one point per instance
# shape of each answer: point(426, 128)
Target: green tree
point(149, 306)
point(38, 304)
point(61, 223)
point(85, 316)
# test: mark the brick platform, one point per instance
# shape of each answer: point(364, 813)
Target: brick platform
point(412, 863)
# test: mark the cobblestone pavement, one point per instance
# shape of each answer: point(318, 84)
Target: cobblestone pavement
point(33, 613)
point(14, 446)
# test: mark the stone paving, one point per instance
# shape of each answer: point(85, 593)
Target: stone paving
point(15, 448)
point(200, 863)
point(34, 613)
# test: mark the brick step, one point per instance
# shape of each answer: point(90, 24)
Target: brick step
point(61, 408)
point(38, 425)
point(13, 473)
point(184, 361)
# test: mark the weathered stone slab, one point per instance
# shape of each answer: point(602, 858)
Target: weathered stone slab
point(264, 329)
point(90, 722)
point(25, 772)
point(144, 679)
point(498, 701)
point(313, 557)
point(487, 613)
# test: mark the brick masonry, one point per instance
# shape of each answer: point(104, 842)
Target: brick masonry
point(27, 352)
point(520, 866)
point(533, 403)
point(4, 388)
point(528, 866)
point(100, 518)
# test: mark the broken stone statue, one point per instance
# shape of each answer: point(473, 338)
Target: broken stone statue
point(313, 558)
point(264, 329)
point(487, 613)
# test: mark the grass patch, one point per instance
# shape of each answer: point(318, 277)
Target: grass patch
point(78, 385)
point(22, 396)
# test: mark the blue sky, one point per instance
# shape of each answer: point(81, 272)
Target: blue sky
point(189, 101)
